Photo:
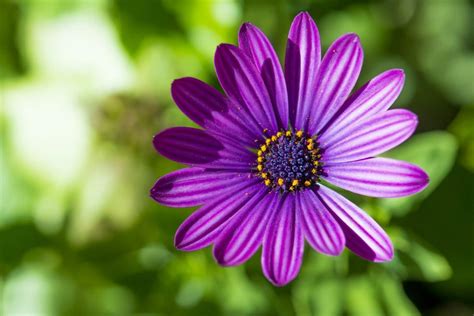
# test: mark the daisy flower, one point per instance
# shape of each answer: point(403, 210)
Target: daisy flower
point(259, 165)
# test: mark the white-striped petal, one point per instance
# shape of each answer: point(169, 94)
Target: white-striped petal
point(364, 236)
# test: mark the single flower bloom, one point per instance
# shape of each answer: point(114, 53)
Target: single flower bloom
point(256, 166)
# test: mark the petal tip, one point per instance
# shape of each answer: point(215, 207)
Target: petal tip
point(337, 252)
point(349, 37)
point(156, 142)
point(180, 244)
point(387, 254)
point(153, 192)
point(353, 37)
point(175, 86)
point(398, 71)
point(424, 180)
point(385, 257)
point(303, 15)
point(245, 26)
point(221, 260)
point(395, 74)
point(219, 255)
point(280, 283)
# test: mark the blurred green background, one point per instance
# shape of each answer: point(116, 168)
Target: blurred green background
point(84, 87)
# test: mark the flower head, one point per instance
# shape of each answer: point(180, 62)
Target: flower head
point(257, 165)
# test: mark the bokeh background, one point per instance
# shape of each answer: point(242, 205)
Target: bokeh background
point(85, 86)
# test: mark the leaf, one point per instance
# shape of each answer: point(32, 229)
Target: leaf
point(362, 298)
point(319, 288)
point(463, 129)
point(433, 266)
point(395, 299)
point(322, 297)
point(237, 288)
point(435, 152)
point(420, 261)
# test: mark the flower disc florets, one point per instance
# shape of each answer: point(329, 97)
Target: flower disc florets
point(289, 161)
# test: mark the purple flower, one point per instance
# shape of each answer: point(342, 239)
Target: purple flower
point(257, 165)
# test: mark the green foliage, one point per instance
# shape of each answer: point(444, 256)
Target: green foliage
point(85, 86)
point(417, 261)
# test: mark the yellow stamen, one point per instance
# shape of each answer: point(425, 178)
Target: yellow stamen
point(280, 181)
point(260, 159)
point(267, 182)
point(316, 163)
point(299, 133)
point(310, 146)
point(259, 152)
point(263, 148)
point(295, 182)
point(288, 133)
point(307, 183)
point(259, 167)
point(313, 171)
point(309, 140)
point(292, 188)
point(268, 141)
point(279, 134)
point(264, 175)
point(274, 138)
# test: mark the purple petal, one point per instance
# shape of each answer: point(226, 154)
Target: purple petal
point(243, 84)
point(374, 136)
point(322, 231)
point(364, 236)
point(203, 226)
point(243, 235)
point(196, 147)
point(210, 109)
point(283, 243)
point(196, 186)
point(378, 177)
point(337, 76)
point(303, 56)
point(258, 47)
point(374, 97)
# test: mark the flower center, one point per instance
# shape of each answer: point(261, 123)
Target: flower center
point(289, 161)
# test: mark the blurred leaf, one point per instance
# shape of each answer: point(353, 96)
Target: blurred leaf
point(435, 152)
point(11, 62)
point(50, 134)
point(136, 21)
point(463, 128)
point(37, 289)
point(420, 261)
point(160, 61)
point(190, 293)
point(237, 288)
point(453, 58)
point(59, 48)
point(323, 297)
point(112, 300)
point(434, 267)
point(356, 19)
point(17, 194)
point(16, 240)
point(319, 289)
point(362, 297)
point(395, 299)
